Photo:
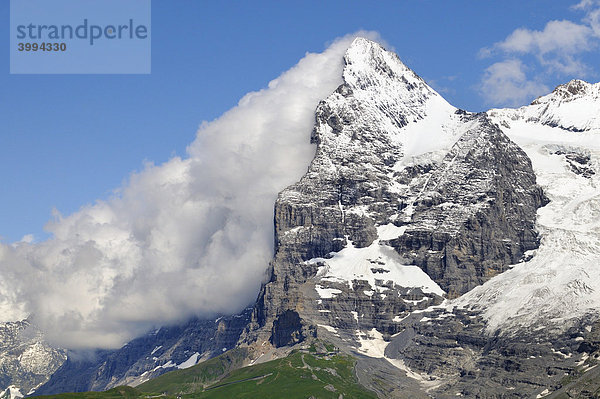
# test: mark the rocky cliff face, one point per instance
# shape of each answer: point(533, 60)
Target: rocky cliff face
point(380, 235)
point(447, 352)
point(26, 361)
point(475, 215)
point(407, 201)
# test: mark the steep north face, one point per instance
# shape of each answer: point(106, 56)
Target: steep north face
point(453, 253)
point(461, 206)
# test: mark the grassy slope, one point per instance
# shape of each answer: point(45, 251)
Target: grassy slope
point(115, 393)
point(300, 375)
point(197, 377)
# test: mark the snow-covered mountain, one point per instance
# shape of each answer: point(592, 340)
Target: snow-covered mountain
point(402, 179)
point(559, 285)
point(453, 253)
point(26, 360)
point(408, 201)
point(572, 106)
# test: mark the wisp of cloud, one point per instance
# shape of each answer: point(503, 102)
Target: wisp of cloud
point(191, 237)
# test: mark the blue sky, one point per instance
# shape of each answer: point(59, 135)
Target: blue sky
point(68, 140)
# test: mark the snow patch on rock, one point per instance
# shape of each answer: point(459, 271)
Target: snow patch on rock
point(353, 263)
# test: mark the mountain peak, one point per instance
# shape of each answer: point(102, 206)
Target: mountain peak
point(572, 106)
point(364, 45)
point(363, 42)
point(365, 56)
point(570, 91)
point(362, 49)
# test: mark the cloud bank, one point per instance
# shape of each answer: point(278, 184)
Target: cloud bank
point(531, 55)
point(191, 237)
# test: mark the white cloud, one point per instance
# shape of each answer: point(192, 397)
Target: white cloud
point(506, 82)
point(593, 20)
point(557, 36)
point(28, 238)
point(189, 237)
point(556, 49)
point(584, 4)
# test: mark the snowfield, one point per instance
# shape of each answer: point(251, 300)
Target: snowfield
point(560, 282)
point(353, 263)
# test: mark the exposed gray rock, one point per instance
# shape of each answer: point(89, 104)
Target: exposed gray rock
point(350, 185)
point(476, 213)
point(578, 161)
point(26, 360)
point(467, 215)
point(582, 381)
point(287, 329)
point(452, 347)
